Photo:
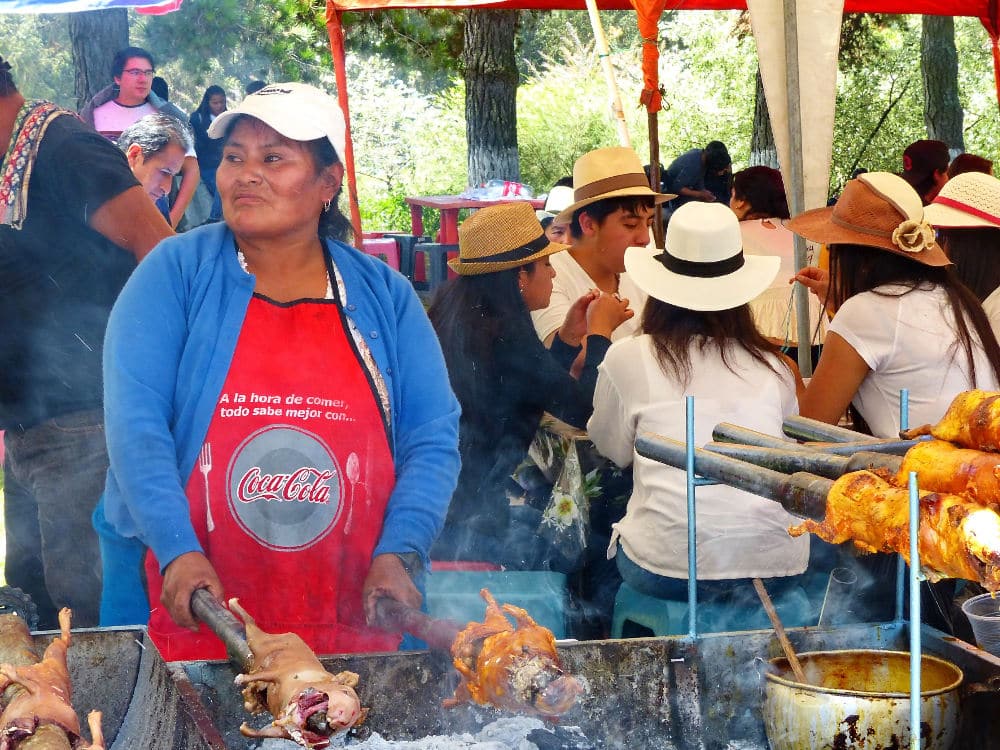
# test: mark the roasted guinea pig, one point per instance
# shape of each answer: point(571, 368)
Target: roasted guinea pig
point(514, 668)
point(972, 421)
point(959, 538)
point(943, 467)
point(308, 704)
point(41, 710)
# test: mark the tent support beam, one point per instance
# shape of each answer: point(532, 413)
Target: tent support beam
point(601, 43)
point(336, 33)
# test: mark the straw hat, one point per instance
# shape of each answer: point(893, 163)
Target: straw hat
point(967, 201)
point(298, 111)
point(614, 172)
point(558, 198)
point(500, 237)
point(880, 210)
point(703, 266)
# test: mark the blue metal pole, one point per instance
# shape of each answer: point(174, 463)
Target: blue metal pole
point(915, 647)
point(904, 424)
point(692, 551)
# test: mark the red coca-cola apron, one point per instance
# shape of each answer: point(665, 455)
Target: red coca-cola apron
point(291, 486)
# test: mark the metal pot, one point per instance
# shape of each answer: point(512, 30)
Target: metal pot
point(859, 699)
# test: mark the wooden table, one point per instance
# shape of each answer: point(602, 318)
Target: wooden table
point(449, 206)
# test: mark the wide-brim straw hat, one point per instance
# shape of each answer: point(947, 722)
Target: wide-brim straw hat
point(500, 237)
point(298, 111)
point(614, 172)
point(879, 210)
point(703, 266)
point(967, 201)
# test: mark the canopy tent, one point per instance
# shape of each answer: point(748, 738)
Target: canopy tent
point(149, 7)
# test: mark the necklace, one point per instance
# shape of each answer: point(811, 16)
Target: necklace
point(243, 264)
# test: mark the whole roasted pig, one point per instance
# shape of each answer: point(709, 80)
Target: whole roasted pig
point(309, 704)
point(959, 538)
point(40, 715)
point(514, 668)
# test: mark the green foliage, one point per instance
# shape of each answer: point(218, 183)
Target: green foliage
point(38, 49)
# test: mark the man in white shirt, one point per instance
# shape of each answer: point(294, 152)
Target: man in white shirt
point(612, 210)
point(131, 98)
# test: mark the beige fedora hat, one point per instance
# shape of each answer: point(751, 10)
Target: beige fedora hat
point(500, 237)
point(967, 201)
point(614, 172)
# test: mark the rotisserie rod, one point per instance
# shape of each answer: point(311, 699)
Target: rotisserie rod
point(959, 538)
point(805, 429)
point(972, 421)
point(282, 675)
point(791, 460)
point(725, 432)
point(396, 617)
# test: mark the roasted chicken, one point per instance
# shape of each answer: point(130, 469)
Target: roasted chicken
point(514, 668)
point(972, 421)
point(40, 714)
point(309, 704)
point(959, 538)
point(943, 467)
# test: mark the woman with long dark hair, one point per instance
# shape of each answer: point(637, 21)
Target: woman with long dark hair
point(699, 339)
point(903, 319)
point(209, 150)
point(505, 378)
point(966, 214)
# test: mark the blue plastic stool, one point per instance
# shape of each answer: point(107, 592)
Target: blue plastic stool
point(454, 595)
point(662, 616)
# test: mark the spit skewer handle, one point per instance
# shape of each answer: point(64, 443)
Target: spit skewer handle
point(803, 428)
point(394, 616)
point(225, 625)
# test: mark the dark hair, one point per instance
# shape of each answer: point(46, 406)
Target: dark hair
point(153, 133)
point(922, 160)
point(545, 221)
point(160, 88)
point(602, 209)
point(763, 188)
point(675, 330)
point(855, 269)
point(203, 109)
point(7, 86)
point(254, 86)
point(122, 56)
point(332, 223)
point(716, 156)
point(969, 163)
point(566, 181)
point(470, 315)
point(975, 251)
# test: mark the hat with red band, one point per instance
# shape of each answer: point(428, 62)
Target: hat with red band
point(967, 201)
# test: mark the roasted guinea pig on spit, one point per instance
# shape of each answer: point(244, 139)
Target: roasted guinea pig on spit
point(515, 668)
point(943, 467)
point(959, 538)
point(308, 704)
point(972, 421)
point(40, 715)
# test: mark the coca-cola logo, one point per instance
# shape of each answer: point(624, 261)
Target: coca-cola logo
point(286, 489)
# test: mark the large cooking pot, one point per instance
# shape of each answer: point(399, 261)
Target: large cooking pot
point(859, 699)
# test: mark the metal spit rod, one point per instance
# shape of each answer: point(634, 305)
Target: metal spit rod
point(803, 428)
point(815, 462)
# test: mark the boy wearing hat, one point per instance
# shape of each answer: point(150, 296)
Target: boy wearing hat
point(612, 210)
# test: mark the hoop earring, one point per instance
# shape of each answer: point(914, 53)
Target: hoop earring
point(326, 206)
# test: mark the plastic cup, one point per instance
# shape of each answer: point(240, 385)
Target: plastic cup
point(983, 612)
point(837, 608)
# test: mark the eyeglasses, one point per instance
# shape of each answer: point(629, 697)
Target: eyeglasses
point(136, 72)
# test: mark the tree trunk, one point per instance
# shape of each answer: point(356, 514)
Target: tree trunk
point(490, 95)
point(939, 71)
point(763, 152)
point(96, 35)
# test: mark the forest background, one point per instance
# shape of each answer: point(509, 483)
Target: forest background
point(408, 100)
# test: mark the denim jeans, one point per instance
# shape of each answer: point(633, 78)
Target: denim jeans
point(54, 476)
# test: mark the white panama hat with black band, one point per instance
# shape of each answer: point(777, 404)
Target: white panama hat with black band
point(703, 266)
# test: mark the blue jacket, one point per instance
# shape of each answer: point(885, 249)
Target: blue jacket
point(170, 340)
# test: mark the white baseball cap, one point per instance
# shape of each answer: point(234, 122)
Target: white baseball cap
point(298, 111)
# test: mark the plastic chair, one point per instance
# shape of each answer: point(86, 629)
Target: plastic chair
point(438, 255)
point(454, 595)
point(409, 265)
point(384, 248)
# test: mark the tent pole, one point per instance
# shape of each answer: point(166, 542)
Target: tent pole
point(601, 42)
point(797, 193)
point(336, 33)
point(654, 174)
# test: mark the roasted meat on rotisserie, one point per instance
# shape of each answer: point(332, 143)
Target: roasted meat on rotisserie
point(959, 538)
point(972, 421)
point(514, 668)
point(943, 467)
point(40, 714)
point(308, 704)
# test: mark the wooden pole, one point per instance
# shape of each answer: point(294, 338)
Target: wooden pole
point(654, 175)
point(601, 42)
point(336, 33)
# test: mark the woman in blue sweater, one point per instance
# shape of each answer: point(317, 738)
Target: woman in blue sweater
point(278, 414)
